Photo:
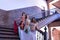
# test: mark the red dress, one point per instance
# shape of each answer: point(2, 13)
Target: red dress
point(15, 27)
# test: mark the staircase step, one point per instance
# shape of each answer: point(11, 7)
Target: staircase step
point(6, 30)
point(7, 33)
point(10, 36)
point(7, 26)
point(7, 39)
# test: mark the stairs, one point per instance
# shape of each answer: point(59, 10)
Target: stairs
point(7, 33)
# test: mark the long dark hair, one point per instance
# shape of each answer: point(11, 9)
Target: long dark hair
point(21, 24)
point(33, 20)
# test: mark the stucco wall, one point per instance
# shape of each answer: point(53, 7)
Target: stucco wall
point(8, 17)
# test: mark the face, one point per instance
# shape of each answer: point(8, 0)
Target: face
point(23, 14)
point(34, 20)
point(54, 31)
point(27, 16)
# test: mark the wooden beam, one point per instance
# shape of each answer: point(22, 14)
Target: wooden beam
point(57, 4)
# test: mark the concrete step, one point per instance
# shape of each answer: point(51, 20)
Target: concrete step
point(7, 39)
point(7, 33)
point(7, 26)
point(9, 36)
point(6, 30)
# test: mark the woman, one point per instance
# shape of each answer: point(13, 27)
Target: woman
point(56, 34)
point(17, 21)
point(23, 33)
point(23, 17)
point(27, 24)
point(27, 35)
point(21, 30)
point(33, 26)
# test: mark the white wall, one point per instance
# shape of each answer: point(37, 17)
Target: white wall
point(16, 4)
point(42, 4)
